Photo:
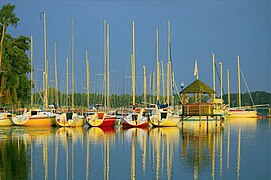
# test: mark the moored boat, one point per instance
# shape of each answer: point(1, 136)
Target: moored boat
point(242, 113)
point(6, 119)
point(35, 117)
point(164, 118)
point(101, 119)
point(70, 119)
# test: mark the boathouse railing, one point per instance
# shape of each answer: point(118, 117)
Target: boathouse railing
point(198, 109)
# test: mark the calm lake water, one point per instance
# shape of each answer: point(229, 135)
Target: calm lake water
point(238, 150)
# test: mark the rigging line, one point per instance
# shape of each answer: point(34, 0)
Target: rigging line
point(219, 77)
point(247, 87)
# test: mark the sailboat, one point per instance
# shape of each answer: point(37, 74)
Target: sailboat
point(70, 119)
point(6, 118)
point(36, 116)
point(162, 115)
point(241, 112)
point(134, 119)
point(102, 118)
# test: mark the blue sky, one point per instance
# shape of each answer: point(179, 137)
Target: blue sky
point(198, 29)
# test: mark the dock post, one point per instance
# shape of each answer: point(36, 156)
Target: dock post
point(207, 119)
point(216, 120)
point(199, 121)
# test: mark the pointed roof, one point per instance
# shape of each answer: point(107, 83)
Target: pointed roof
point(198, 87)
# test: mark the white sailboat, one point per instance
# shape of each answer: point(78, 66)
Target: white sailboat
point(71, 119)
point(163, 116)
point(241, 112)
point(134, 119)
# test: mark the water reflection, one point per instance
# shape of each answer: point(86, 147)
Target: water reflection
point(164, 143)
point(191, 151)
point(199, 146)
point(236, 125)
point(104, 137)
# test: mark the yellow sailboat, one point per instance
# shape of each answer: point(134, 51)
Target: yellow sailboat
point(163, 116)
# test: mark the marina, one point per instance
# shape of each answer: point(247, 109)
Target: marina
point(134, 90)
point(238, 150)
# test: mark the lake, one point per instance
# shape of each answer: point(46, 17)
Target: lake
point(240, 149)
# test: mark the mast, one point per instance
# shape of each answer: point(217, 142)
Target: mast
point(157, 69)
point(144, 85)
point(67, 82)
point(133, 61)
point(151, 94)
point(72, 63)
point(56, 83)
point(87, 78)
point(173, 80)
point(163, 80)
point(213, 68)
point(221, 85)
point(229, 91)
point(105, 66)
point(31, 72)
point(45, 64)
point(108, 65)
point(168, 64)
point(239, 88)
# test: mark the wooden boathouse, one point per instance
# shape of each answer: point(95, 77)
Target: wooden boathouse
point(198, 102)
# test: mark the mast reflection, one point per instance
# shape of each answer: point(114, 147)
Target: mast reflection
point(159, 139)
point(199, 146)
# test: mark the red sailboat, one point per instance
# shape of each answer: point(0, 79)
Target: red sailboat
point(102, 118)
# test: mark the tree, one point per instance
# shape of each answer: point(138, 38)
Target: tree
point(7, 17)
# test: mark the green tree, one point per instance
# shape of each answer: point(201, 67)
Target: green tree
point(14, 63)
point(7, 17)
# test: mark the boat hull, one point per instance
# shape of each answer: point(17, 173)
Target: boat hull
point(242, 114)
point(140, 124)
point(40, 121)
point(101, 120)
point(6, 122)
point(170, 121)
point(75, 121)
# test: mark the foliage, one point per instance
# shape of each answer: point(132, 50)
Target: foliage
point(14, 84)
point(259, 97)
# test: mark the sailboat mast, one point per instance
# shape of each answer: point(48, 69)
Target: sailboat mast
point(163, 80)
point(144, 85)
point(108, 65)
point(157, 69)
point(239, 86)
point(72, 63)
point(213, 68)
point(173, 80)
point(105, 66)
point(133, 61)
point(229, 91)
point(87, 78)
point(221, 84)
point(168, 64)
point(31, 72)
point(45, 64)
point(67, 82)
point(56, 82)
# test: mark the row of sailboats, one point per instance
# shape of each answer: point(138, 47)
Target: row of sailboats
point(159, 116)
